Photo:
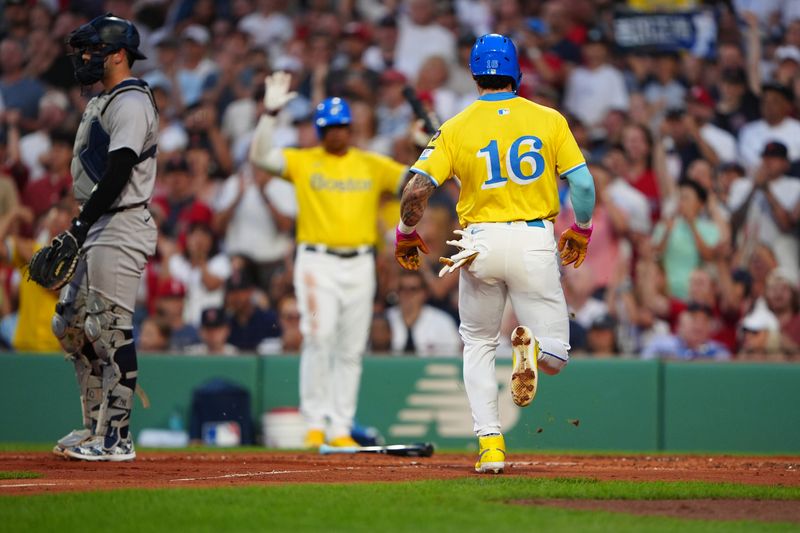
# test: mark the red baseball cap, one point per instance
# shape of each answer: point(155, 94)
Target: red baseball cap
point(700, 95)
point(170, 288)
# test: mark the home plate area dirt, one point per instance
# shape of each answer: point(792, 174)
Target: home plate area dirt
point(219, 469)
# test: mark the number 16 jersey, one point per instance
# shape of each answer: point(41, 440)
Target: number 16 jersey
point(508, 153)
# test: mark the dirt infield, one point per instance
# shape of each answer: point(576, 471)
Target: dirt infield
point(202, 469)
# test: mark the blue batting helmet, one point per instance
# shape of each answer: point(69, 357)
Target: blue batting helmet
point(495, 55)
point(331, 112)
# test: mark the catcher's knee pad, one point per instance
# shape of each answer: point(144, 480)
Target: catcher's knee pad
point(67, 323)
point(107, 326)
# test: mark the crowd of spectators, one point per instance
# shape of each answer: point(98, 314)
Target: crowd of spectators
point(695, 155)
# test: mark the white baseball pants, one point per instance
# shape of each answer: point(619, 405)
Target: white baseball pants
point(517, 259)
point(334, 297)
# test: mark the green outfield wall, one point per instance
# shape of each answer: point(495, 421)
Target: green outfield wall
point(606, 404)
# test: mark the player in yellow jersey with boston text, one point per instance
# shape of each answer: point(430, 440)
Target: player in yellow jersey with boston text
point(338, 188)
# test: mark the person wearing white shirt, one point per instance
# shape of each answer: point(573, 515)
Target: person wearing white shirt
point(418, 328)
point(596, 88)
point(255, 215)
point(420, 37)
point(201, 271)
point(776, 125)
point(763, 208)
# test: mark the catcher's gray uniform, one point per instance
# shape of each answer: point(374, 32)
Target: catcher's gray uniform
point(93, 319)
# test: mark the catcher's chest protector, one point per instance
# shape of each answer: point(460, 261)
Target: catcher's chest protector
point(90, 153)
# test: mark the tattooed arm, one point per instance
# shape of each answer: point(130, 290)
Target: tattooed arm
point(408, 244)
point(415, 199)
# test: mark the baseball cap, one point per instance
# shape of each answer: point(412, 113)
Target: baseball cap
point(604, 321)
point(694, 307)
point(742, 276)
point(700, 95)
point(392, 76)
point(170, 288)
point(760, 319)
point(358, 30)
point(788, 52)
point(196, 33)
point(239, 280)
point(213, 317)
point(176, 164)
point(775, 149)
point(783, 90)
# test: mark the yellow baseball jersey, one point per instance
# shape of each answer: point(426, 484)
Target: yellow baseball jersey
point(36, 308)
point(508, 153)
point(337, 196)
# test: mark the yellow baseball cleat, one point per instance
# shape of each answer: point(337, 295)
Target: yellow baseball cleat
point(314, 438)
point(492, 457)
point(345, 441)
point(525, 376)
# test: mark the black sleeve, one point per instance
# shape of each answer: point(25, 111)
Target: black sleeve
point(120, 165)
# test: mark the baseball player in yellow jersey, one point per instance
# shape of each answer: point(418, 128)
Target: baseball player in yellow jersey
point(508, 153)
point(338, 188)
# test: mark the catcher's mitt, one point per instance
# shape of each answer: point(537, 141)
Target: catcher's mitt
point(53, 266)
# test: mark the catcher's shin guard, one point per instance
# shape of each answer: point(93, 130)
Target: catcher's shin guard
point(90, 387)
point(67, 322)
point(119, 384)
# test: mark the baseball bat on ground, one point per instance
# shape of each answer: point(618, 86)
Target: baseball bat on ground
point(418, 449)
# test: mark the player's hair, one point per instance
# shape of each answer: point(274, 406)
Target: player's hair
point(488, 81)
point(130, 58)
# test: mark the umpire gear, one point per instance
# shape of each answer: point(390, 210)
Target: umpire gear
point(99, 37)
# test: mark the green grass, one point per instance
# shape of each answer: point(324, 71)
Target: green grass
point(11, 474)
point(470, 504)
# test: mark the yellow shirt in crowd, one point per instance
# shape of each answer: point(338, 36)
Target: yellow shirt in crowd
point(36, 308)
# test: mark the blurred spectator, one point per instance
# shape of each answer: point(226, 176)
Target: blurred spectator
point(686, 239)
point(18, 90)
point(418, 328)
point(601, 337)
point(202, 270)
point(247, 200)
point(393, 112)
point(197, 72)
point(169, 304)
point(249, 324)
point(32, 330)
point(56, 183)
point(214, 330)
point(34, 146)
point(154, 335)
point(380, 56)
point(783, 300)
point(578, 290)
point(760, 339)
point(663, 91)
point(380, 335)
point(290, 340)
point(596, 87)
point(268, 25)
point(692, 340)
point(763, 208)
point(420, 37)
point(777, 124)
point(737, 105)
point(178, 207)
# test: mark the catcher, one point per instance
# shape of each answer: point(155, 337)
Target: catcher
point(98, 262)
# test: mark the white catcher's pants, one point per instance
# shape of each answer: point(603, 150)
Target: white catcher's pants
point(520, 261)
point(334, 297)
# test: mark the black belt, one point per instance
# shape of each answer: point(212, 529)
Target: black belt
point(343, 254)
point(126, 207)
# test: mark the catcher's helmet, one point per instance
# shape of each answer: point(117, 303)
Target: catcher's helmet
point(495, 55)
point(101, 36)
point(331, 112)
